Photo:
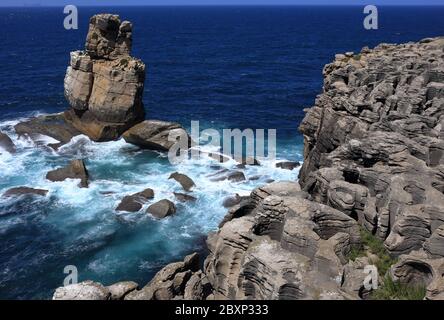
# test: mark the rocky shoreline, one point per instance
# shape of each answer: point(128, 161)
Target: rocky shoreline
point(373, 171)
point(370, 190)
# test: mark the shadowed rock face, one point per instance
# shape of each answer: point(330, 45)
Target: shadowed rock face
point(374, 145)
point(104, 84)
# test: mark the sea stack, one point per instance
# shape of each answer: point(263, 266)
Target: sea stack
point(104, 84)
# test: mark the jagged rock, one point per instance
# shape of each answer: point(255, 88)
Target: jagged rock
point(288, 165)
point(134, 203)
point(182, 197)
point(19, 191)
point(6, 143)
point(169, 282)
point(354, 276)
point(53, 126)
point(75, 170)
point(87, 290)
point(186, 182)
point(162, 209)
point(104, 84)
point(373, 143)
point(119, 290)
point(435, 244)
point(156, 134)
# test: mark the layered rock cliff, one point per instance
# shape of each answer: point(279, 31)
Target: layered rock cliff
point(373, 166)
point(104, 84)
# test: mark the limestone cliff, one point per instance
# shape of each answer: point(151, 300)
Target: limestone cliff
point(374, 164)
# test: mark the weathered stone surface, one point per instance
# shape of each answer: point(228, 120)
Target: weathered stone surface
point(104, 84)
point(186, 182)
point(417, 268)
point(162, 209)
point(19, 191)
point(170, 282)
point(6, 143)
point(87, 290)
point(134, 202)
point(154, 134)
point(119, 290)
point(373, 143)
point(75, 170)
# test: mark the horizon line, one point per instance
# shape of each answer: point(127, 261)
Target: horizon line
point(218, 5)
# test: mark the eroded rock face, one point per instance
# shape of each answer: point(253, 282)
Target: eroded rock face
point(282, 246)
point(104, 84)
point(134, 202)
point(373, 143)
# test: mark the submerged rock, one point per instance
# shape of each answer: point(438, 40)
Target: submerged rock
point(6, 143)
point(154, 134)
point(232, 175)
point(134, 203)
point(182, 197)
point(104, 84)
point(75, 170)
point(186, 182)
point(162, 209)
point(53, 126)
point(19, 191)
point(289, 165)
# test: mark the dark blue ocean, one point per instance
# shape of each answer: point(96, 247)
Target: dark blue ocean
point(228, 67)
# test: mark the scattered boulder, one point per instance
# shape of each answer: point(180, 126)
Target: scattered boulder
point(6, 143)
point(75, 170)
point(86, 290)
point(182, 197)
point(134, 203)
point(154, 134)
point(288, 165)
point(186, 182)
point(119, 290)
point(162, 209)
point(20, 191)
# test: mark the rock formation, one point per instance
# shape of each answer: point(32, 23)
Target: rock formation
point(75, 170)
point(373, 162)
point(134, 202)
point(104, 84)
point(6, 143)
